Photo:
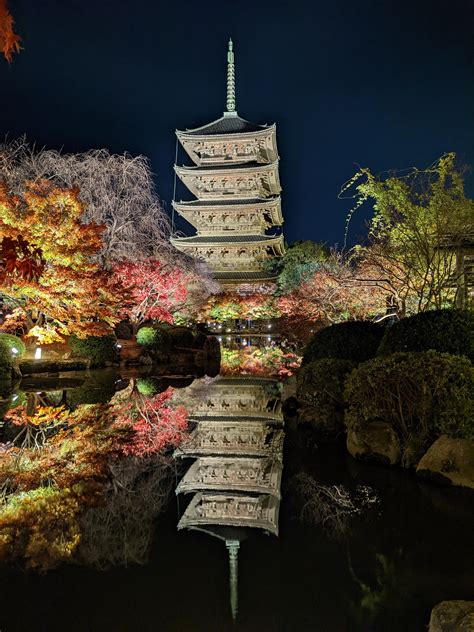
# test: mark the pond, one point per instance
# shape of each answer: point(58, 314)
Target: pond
point(268, 531)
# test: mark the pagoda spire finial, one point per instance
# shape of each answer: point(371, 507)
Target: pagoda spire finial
point(230, 80)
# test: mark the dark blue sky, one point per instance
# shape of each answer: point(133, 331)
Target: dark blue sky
point(383, 84)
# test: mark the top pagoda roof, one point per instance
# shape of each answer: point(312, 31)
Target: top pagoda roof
point(230, 123)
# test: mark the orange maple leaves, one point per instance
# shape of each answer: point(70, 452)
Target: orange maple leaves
point(9, 40)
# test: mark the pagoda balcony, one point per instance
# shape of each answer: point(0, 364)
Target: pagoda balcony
point(231, 183)
point(245, 216)
point(235, 147)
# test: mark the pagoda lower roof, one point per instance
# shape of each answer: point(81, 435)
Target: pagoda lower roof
point(231, 168)
point(216, 239)
point(229, 202)
point(225, 125)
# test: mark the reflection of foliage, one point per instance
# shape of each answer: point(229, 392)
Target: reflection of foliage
point(422, 395)
point(231, 305)
point(149, 386)
point(376, 595)
point(68, 464)
point(264, 361)
point(120, 531)
point(329, 506)
point(40, 526)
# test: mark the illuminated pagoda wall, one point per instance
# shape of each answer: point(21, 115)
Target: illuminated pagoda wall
point(236, 184)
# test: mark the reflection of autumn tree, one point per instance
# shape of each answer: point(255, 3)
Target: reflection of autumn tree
point(74, 467)
point(120, 531)
point(261, 361)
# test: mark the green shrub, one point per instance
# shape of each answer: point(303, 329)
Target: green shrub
point(448, 331)
point(422, 395)
point(154, 338)
point(97, 349)
point(356, 340)
point(13, 342)
point(6, 361)
point(321, 385)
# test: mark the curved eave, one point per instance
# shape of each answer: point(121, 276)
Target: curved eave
point(223, 240)
point(193, 134)
point(272, 206)
point(225, 170)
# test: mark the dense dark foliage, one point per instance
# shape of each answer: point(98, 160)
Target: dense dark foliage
point(5, 360)
point(422, 395)
point(449, 331)
point(357, 341)
point(97, 349)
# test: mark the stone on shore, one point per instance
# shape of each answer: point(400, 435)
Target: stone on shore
point(449, 461)
point(452, 616)
point(375, 441)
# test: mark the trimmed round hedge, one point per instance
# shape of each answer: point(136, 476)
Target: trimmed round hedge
point(321, 385)
point(13, 342)
point(444, 330)
point(97, 349)
point(421, 395)
point(356, 340)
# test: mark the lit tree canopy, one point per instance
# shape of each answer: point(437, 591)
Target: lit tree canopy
point(116, 191)
point(414, 213)
point(67, 292)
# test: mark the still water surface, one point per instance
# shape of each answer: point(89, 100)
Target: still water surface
point(382, 570)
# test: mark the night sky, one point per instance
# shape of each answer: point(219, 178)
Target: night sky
point(381, 84)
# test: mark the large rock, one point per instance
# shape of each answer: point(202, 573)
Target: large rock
point(374, 441)
point(449, 461)
point(452, 616)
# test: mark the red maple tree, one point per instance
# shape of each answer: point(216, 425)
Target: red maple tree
point(9, 40)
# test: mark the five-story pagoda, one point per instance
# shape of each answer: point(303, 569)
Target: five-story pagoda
point(235, 180)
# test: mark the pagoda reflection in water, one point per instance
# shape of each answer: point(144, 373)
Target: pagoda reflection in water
point(237, 444)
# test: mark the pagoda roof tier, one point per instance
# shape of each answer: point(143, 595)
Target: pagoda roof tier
point(229, 123)
point(246, 216)
point(230, 140)
point(224, 240)
point(254, 475)
point(226, 182)
point(232, 509)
